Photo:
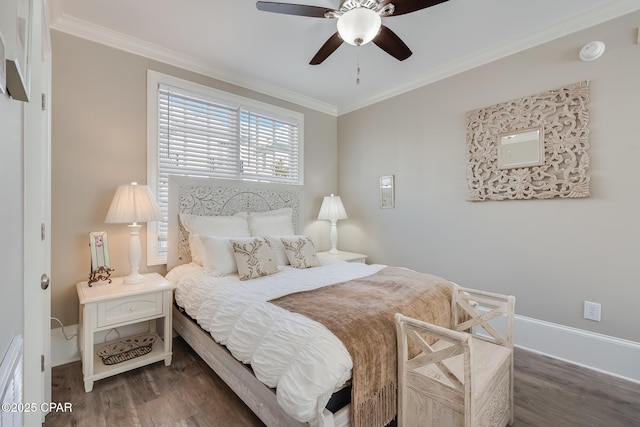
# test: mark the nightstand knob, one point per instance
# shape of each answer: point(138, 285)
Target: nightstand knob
point(131, 309)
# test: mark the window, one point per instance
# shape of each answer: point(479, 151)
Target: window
point(195, 130)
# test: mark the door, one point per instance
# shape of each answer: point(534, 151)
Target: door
point(37, 193)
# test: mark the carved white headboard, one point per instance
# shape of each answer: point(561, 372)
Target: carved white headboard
point(212, 197)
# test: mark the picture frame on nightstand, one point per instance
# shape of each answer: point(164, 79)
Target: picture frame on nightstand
point(100, 261)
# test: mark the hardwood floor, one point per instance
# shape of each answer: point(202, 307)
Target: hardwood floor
point(186, 394)
point(548, 393)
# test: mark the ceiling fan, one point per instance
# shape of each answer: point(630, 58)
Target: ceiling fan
point(359, 22)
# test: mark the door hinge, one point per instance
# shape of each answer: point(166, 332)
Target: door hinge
point(44, 102)
point(42, 363)
point(43, 232)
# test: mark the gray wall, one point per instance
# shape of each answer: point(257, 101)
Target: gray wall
point(99, 141)
point(11, 220)
point(551, 254)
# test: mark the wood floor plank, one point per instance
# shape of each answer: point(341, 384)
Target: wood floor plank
point(547, 393)
point(552, 392)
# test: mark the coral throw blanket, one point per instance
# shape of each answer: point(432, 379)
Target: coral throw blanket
point(360, 313)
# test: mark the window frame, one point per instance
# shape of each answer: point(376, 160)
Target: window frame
point(154, 80)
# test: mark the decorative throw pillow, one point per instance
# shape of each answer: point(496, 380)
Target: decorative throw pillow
point(301, 252)
point(254, 257)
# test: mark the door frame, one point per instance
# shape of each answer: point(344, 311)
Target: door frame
point(37, 222)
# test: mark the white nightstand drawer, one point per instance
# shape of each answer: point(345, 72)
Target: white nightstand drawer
point(120, 310)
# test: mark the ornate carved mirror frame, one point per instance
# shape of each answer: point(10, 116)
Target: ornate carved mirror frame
point(562, 117)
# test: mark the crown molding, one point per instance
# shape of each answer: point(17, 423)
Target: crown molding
point(114, 39)
point(596, 16)
point(97, 34)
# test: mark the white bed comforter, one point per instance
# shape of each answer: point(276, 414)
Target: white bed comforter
point(297, 356)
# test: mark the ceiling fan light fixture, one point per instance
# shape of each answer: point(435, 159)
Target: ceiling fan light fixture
point(359, 26)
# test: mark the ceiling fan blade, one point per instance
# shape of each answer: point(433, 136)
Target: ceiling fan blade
point(293, 9)
point(408, 6)
point(327, 49)
point(389, 41)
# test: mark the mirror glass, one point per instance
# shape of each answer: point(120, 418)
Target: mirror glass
point(521, 149)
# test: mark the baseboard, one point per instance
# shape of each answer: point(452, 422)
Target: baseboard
point(603, 353)
point(606, 354)
point(65, 350)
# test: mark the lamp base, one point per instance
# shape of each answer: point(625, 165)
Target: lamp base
point(333, 236)
point(134, 256)
point(133, 279)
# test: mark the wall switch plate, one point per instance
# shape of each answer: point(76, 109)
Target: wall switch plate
point(592, 311)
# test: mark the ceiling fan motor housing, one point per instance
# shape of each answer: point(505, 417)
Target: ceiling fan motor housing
point(353, 4)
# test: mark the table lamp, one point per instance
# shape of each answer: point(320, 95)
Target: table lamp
point(133, 204)
point(332, 209)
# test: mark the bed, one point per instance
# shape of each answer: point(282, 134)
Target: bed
point(284, 341)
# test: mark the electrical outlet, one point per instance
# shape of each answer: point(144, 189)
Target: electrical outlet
point(592, 311)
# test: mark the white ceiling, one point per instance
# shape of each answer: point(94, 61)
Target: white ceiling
point(232, 41)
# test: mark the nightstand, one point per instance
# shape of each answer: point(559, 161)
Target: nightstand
point(342, 256)
point(105, 306)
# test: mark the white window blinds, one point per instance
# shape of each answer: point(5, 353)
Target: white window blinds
point(224, 136)
point(196, 136)
point(267, 148)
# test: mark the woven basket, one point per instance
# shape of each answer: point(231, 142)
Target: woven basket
point(126, 349)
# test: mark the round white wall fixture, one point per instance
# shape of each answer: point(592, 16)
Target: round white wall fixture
point(592, 51)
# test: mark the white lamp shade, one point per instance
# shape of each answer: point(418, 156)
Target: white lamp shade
point(359, 26)
point(332, 209)
point(133, 203)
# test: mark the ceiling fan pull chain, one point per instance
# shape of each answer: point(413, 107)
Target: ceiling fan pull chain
point(358, 66)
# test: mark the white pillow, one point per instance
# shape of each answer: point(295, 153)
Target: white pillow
point(242, 214)
point(217, 255)
point(278, 248)
point(282, 211)
point(301, 252)
point(254, 257)
point(271, 225)
point(195, 247)
point(227, 226)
